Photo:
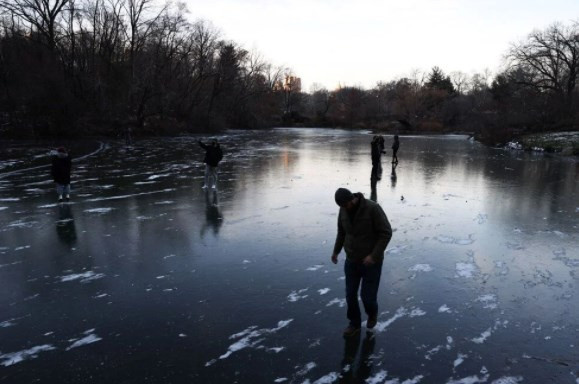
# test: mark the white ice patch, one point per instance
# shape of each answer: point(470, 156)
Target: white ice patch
point(378, 378)
point(88, 339)
point(3, 208)
point(17, 357)
point(420, 268)
point(250, 337)
point(154, 177)
point(99, 210)
point(459, 360)
point(481, 219)
point(452, 240)
point(396, 250)
point(466, 270)
point(469, 380)
point(314, 268)
point(327, 379)
point(280, 380)
point(340, 302)
point(485, 335)
point(489, 301)
point(382, 325)
point(444, 309)
point(7, 199)
point(297, 295)
point(323, 291)
point(416, 312)
point(510, 380)
point(164, 202)
point(83, 277)
point(307, 368)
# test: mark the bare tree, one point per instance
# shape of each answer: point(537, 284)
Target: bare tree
point(39, 14)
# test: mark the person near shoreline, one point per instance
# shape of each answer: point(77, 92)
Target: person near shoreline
point(364, 233)
point(60, 170)
point(395, 147)
point(213, 155)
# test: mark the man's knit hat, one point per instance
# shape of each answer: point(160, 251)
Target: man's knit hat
point(343, 196)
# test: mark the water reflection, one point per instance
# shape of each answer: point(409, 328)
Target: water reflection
point(65, 227)
point(213, 215)
point(393, 176)
point(357, 371)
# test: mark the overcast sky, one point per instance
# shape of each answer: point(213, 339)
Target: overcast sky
point(360, 42)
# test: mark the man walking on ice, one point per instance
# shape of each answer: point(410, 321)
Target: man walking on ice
point(364, 232)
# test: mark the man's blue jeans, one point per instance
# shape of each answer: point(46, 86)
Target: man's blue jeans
point(369, 277)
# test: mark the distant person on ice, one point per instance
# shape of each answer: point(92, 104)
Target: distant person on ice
point(395, 147)
point(377, 149)
point(61, 166)
point(364, 232)
point(213, 155)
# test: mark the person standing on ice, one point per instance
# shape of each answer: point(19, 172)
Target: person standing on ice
point(60, 170)
point(364, 232)
point(395, 147)
point(213, 155)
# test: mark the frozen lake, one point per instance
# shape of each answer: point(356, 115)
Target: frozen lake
point(146, 278)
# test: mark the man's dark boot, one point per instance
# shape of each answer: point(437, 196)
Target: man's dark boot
point(351, 331)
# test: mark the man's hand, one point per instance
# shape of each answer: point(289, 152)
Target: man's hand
point(335, 258)
point(368, 261)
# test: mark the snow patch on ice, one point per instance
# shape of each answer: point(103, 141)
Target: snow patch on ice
point(420, 268)
point(323, 291)
point(251, 337)
point(297, 295)
point(340, 302)
point(314, 267)
point(444, 309)
point(459, 360)
point(452, 240)
point(510, 380)
point(489, 301)
point(88, 339)
point(469, 380)
point(327, 379)
point(99, 210)
point(485, 335)
point(466, 270)
point(378, 378)
point(17, 357)
point(83, 277)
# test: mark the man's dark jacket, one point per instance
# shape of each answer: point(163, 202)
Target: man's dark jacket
point(213, 154)
point(367, 234)
point(61, 166)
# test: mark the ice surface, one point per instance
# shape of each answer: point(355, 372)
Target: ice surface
point(485, 335)
point(88, 339)
point(84, 277)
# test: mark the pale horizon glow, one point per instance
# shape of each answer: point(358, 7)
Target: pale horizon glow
point(358, 43)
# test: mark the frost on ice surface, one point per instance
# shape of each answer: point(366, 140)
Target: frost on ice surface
point(280, 380)
point(83, 277)
point(88, 339)
point(382, 325)
point(297, 295)
point(308, 367)
point(17, 357)
point(251, 337)
point(379, 377)
point(417, 312)
point(485, 335)
point(314, 267)
point(323, 291)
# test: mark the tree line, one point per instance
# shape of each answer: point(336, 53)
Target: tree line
point(99, 67)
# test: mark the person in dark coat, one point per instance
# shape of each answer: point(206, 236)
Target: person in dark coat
point(377, 149)
point(213, 155)
point(395, 147)
point(60, 170)
point(364, 233)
